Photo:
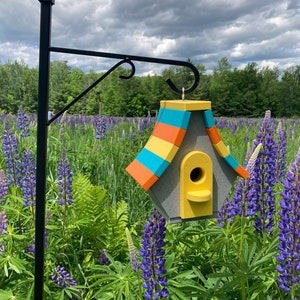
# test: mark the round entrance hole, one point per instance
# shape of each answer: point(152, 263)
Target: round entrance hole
point(196, 174)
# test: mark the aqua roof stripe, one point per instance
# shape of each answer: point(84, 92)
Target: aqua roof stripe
point(174, 117)
point(152, 162)
point(208, 117)
point(231, 161)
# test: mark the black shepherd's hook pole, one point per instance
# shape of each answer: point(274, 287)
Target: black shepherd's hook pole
point(42, 136)
point(43, 122)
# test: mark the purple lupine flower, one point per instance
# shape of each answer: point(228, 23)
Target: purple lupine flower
point(30, 249)
point(62, 278)
point(101, 123)
point(144, 123)
point(132, 252)
point(64, 181)
point(141, 126)
point(103, 259)
point(265, 176)
point(153, 261)
point(62, 132)
point(29, 178)
point(3, 222)
point(11, 156)
point(22, 123)
point(130, 133)
point(244, 201)
point(246, 135)
point(3, 227)
point(281, 153)
point(292, 130)
point(234, 128)
point(289, 229)
point(226, 213)
point(3, 186)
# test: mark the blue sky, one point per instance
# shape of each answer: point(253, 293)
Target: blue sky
point(263, 31)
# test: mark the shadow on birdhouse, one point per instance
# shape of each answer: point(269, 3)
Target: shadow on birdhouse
point(185, 166)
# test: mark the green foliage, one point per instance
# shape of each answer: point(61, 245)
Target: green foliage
point(91, 213)
point(203, 260)
point(243, 92)
point(249, 91)
point(116, 281)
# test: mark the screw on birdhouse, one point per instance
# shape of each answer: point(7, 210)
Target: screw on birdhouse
point(182, 93)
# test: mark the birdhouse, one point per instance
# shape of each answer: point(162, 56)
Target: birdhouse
point(185, 166)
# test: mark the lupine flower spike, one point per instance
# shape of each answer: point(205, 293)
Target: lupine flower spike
point(29, 178)
point(3, 228)
point(252, 159)
point(62, 278)
point(11, 156)
point(289, 226)
point(132, 252)
point(3, 187)
point(153, 261)
point(281, 153)
point(3, 223)
point(23, 123)
point(265, 176)
point(101, 128)
point(103, 259)
point(244, 201)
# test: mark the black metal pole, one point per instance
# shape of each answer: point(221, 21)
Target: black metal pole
point(42, 136)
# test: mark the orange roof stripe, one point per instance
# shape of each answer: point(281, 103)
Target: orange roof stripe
point(144, 177)
point(169, 133)
point(242, 172)
point(213, 134)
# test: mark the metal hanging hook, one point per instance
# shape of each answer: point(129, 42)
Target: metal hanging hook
point(130, 58)
point(190, 89)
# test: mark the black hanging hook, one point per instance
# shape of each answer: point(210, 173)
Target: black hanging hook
point(131, 58)
point(190, 89)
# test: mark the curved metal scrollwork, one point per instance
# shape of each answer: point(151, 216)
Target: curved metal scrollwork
point(129, 60)
point(132, 69)
point(192, 87)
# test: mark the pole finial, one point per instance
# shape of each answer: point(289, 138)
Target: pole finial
point(52, 2)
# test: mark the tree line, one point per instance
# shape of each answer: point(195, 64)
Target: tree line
point(248, 92)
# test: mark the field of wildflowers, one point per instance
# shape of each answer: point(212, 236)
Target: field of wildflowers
point(103, 238)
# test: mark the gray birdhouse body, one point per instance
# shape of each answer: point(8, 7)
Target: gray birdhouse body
point(194, 182)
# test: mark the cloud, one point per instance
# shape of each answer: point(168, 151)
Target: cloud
point(263, 31)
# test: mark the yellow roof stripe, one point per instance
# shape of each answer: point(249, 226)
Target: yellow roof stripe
point(162, 148)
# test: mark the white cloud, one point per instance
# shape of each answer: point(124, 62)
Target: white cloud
point(259, 30)
point(164, 47)
point(19, 52)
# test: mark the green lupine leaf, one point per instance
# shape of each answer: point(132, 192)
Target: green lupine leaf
point(6, 295)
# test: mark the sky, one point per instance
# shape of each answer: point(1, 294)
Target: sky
point(266, 32)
